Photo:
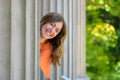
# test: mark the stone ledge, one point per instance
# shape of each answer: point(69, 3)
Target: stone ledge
point(84, 77)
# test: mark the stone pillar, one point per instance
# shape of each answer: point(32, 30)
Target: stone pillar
point(19, 37)
point(5, 39)
point(81, 42)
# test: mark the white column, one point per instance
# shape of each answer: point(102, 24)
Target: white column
point(5, 39)
point(24, 35)
point(30, 40)
point(17, 40)
point(65, 11)
point(81, 41)
point(37, 37)
point(19, 37)
point(70, 38)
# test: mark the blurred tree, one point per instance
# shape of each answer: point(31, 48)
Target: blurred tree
point(103, 37)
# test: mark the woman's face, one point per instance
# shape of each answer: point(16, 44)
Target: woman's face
point(50, 30)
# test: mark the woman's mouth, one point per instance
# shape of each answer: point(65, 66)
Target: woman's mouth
point(49, 32)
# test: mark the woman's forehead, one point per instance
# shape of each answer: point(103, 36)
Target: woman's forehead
point(58, 24)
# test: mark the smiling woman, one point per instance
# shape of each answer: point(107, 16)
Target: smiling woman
point(50, 30)
point(52, 35)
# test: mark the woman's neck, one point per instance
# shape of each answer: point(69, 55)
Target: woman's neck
point(42, 40)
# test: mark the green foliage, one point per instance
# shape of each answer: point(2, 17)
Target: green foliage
point(103, 37)
point(106, 33)
point(112, 6)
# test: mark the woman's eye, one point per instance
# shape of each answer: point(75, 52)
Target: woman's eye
point(56, 30)
point(52, 24)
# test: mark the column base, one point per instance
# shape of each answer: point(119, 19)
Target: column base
point(84, 77)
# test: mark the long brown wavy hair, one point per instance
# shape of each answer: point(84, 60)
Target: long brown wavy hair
point(57, 41)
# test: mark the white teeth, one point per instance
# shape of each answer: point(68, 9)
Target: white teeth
point(48, 33)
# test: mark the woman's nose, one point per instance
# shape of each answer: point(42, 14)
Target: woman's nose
point(52, 31)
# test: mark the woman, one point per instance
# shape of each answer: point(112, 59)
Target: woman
point(52, 35)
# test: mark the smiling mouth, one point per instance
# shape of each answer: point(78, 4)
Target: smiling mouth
point(49, 32)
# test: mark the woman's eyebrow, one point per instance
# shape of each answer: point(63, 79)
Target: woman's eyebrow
point(54, 24)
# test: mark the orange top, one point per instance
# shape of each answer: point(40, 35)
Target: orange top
point(45, 53)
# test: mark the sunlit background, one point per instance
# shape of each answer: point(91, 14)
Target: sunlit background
point(103, 39)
